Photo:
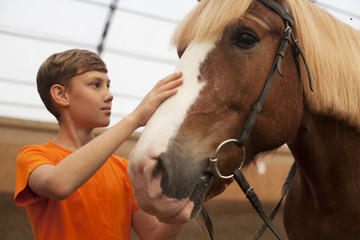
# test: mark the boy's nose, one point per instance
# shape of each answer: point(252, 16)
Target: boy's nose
point(108, 97)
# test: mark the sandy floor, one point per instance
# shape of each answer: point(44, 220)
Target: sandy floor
point(232, 219)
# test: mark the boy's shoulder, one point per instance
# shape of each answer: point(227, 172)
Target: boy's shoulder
point(35, 147)
point(49, 151)
point(48, 146)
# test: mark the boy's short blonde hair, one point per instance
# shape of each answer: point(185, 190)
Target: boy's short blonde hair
point(61, 67)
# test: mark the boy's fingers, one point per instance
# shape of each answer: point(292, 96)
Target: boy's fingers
point(163, 87)
point(171, 78)
point(166, 94)
point(173, 84)
point(166, 87)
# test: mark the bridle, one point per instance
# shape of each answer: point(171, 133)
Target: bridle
point(288, 20)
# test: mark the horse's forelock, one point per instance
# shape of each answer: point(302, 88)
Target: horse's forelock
point(208, 20)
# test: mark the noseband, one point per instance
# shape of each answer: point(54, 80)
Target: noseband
point(288, 36)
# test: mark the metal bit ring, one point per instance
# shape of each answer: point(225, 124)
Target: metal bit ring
point(213, 168)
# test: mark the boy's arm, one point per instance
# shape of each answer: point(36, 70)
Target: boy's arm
point(59, 181)
point(147, 227)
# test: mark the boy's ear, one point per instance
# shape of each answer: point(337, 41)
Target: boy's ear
point(59, 95)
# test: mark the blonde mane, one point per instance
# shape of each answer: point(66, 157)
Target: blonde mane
point(332, 49)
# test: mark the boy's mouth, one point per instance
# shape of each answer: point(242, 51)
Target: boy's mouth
point(107, 110)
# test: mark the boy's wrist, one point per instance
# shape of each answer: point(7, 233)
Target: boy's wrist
point(132, 120)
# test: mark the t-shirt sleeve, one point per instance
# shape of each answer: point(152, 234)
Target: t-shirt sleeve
point(125, 163)
point(28, 159)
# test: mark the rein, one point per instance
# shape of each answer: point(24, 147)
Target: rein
point(250, 122)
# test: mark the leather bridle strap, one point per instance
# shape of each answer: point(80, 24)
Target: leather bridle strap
point(276, 68)
point(275, 209)
point(254, 200)
point(288, 19)
point(277, 8)
point(257, 107)
point(255, 111)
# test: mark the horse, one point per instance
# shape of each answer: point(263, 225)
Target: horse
point(227, 50)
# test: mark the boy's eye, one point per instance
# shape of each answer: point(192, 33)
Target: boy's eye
point(96, 84)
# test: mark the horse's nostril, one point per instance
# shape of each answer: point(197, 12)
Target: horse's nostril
point(164, 169)
point(159, 169)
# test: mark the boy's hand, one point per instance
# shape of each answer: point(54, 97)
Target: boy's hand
point(164, 89)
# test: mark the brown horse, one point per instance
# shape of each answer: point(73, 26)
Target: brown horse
point(227, 49)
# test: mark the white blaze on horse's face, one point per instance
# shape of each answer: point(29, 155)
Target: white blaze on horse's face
point(144, 170)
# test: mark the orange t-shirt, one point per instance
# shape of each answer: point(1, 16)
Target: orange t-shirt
point(100, 209)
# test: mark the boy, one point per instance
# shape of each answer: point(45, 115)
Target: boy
point(73, 187)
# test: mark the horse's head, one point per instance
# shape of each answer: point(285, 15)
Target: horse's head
point(226, 50)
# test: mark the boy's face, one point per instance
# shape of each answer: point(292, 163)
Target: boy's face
point(90, 100)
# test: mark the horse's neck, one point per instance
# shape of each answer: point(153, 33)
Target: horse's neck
point(323, 200)
point(328, 155)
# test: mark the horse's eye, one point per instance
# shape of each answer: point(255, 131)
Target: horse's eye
point(244, 40)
